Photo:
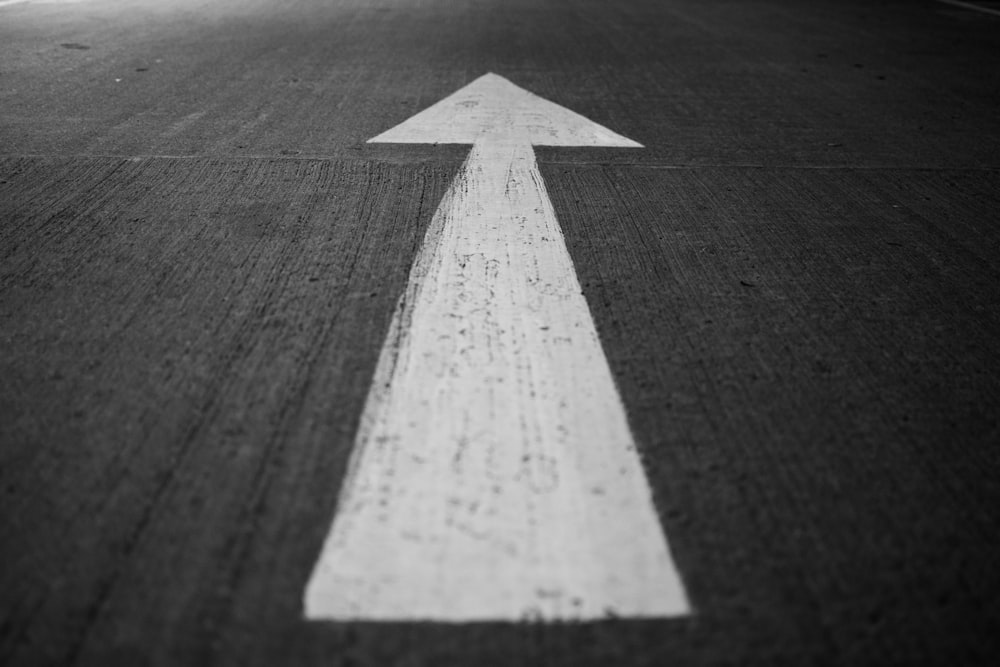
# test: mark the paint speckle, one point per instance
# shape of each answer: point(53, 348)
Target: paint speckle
point(532, 615)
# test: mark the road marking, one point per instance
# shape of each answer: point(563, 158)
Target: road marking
point(969, 5)
point(494, 476)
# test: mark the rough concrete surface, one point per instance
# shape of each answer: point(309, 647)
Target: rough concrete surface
point(795, 284)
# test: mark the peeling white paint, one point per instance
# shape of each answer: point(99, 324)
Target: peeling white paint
point(494, 475)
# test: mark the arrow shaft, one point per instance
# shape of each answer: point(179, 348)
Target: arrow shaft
point(494, 476)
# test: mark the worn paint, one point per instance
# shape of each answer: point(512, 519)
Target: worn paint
point(492, 105)
point(494, 475)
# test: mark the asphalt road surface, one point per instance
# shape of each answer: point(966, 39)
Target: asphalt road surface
point(795, 282)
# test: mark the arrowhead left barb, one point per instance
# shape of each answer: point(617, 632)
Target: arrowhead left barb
point(493, 106)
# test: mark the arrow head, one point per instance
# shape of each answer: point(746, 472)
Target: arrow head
point(492, 106)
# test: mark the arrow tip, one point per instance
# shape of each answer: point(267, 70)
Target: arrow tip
point(492, 105)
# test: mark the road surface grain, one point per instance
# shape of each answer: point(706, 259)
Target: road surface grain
point(794, 284)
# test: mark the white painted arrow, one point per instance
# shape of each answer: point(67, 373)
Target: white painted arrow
point(494, 476)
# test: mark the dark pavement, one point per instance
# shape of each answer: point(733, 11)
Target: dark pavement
point(796, 283)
